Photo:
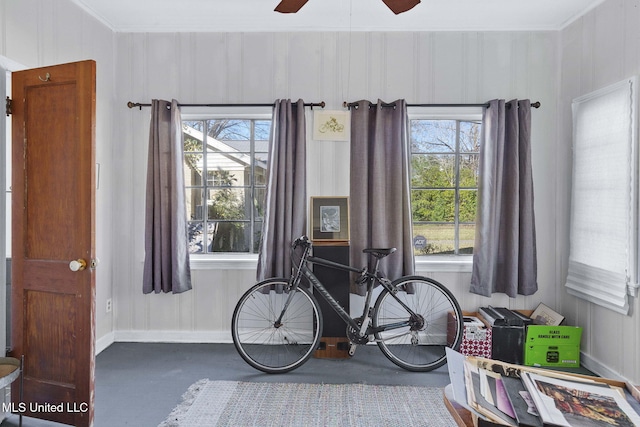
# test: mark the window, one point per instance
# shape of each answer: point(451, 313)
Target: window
point(444, 185)
point(225, 178)
point(603, 231)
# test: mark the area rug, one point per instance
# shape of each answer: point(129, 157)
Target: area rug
point(232, 403)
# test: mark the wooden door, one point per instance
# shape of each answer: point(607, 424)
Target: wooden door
point(53, 214)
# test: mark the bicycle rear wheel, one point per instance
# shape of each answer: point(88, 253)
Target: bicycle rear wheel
point(438, 323)
point(270, 347)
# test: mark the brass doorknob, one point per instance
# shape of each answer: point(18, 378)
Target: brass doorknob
point(77, 265)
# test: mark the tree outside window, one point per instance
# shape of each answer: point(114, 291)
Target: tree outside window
point(444, 185)
point(225, 175)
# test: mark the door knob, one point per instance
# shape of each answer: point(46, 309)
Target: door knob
point(77, 265)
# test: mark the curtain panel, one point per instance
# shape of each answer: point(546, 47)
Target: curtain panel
point(504, 255)
point(286, 200)
point(166, 263)
point(379, 186)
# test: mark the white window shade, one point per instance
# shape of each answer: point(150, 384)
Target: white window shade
point(604, 215)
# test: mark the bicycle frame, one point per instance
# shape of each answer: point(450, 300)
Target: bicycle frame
point(371, 277)
point(276, 326)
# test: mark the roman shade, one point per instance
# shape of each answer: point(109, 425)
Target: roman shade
point(604, 215)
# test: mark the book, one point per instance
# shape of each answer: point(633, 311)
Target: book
point(567, 403)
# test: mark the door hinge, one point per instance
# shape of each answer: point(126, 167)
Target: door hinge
point(8, 106)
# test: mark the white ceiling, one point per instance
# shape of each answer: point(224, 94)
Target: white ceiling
point(335, 15)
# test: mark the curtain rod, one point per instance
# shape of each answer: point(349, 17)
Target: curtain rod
point(485, 105)
point(139, 105)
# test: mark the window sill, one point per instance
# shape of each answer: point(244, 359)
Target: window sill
point(224, 262)
point(440, 264)
point(444, 264)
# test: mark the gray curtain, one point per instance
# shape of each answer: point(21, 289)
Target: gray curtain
point(379, 194)
point(286, 206)
point(504, 258)
point(166, 263)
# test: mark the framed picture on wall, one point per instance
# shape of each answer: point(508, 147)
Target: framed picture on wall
point(331, 125)
point(330, 219)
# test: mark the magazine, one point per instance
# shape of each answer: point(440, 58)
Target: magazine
point(577, 404)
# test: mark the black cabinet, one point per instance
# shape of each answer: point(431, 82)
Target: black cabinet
point(334, 342)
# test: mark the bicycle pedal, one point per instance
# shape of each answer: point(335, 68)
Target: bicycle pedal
point(352, 349)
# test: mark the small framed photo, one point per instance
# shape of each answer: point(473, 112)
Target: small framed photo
point(544, 315)
point(331, 125)
point(330, 219)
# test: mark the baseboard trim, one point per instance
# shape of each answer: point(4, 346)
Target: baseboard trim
point(104, 341)
point(600, 369)
point(173, 336)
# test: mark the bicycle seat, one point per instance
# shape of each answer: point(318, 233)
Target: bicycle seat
point(379, 252)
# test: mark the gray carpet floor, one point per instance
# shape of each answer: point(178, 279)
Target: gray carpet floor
point(138, 384)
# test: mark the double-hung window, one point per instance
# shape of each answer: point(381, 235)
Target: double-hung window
point(444, 184)
point(225, 178)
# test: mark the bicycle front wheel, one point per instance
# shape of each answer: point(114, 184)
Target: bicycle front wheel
point(271, 346)
point(437, 323)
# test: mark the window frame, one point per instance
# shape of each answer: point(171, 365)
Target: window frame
point(225, 260)
point(440, 262)
point(248, 261)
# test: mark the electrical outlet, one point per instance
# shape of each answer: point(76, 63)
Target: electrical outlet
point(109, 305)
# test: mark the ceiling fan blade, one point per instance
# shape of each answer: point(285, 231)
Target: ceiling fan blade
point(290, 6)
point(399, 6)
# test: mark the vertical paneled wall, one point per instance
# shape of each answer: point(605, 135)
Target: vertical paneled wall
point(442, 67)
point(421, 67)
point(599, 49)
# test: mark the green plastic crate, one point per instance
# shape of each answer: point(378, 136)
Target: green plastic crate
point(552, 346)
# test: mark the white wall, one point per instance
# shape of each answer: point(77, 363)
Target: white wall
point(599, 49)
point(37, 33)
point(332, 67)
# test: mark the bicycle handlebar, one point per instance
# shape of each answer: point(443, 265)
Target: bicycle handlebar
point(306, 243)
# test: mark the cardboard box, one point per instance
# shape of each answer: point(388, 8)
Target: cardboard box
point(476, 335)
point(553, 346)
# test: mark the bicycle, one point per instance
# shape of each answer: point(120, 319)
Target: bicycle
point(277, 323)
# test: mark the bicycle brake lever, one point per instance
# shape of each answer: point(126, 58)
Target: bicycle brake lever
point(302, 240)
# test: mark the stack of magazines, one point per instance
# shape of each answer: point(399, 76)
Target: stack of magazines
point(499, 393)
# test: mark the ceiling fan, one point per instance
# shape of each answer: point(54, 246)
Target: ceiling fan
point(396, 6)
